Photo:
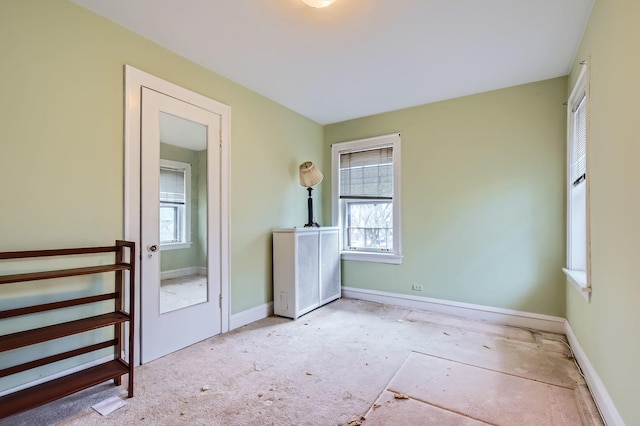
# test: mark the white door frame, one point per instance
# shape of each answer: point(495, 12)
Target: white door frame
point(134, 81)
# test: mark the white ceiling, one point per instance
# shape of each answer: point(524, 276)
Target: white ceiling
point(361, 57)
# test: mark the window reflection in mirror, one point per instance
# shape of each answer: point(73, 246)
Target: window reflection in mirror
point(183, 213)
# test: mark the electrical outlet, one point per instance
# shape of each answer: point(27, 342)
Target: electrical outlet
point(417, 287)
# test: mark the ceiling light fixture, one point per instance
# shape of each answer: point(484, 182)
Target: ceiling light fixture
point(318, 3)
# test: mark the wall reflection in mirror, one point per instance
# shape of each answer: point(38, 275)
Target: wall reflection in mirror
point(183, 213)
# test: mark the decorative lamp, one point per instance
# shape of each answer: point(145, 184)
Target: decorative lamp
point(318, 3)
point(310, 176)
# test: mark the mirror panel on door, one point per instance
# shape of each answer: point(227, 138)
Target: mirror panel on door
point(182, 213)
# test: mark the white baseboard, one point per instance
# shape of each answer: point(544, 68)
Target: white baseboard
point(598, 391)
point(57, 375)
point(464, 310)
point(184, 272)
point(251, 315)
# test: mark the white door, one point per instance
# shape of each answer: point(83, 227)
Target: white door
point(180, 224)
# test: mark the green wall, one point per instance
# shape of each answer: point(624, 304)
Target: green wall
point(483, 207)
point(482, 198)
point(608, 328)
point(62, 99)
point(61, 142)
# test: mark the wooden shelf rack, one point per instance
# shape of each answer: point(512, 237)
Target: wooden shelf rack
point(113, 369)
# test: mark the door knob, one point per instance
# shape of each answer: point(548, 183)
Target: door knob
point(153, 248)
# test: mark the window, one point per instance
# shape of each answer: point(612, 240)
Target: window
point(366, 198)
point(577, 138)
point(175, 206)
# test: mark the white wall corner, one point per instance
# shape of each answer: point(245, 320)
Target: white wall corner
point(470, 311)
point(251, 315)
point(600, 395)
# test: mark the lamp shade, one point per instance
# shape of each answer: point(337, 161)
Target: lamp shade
point(309, 174)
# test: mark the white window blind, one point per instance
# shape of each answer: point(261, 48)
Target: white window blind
point(367, 174)
point(579, 144)
point(172, 188)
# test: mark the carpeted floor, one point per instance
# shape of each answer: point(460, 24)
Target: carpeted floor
point(350, 362)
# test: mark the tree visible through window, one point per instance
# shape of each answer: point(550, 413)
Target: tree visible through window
point(370, 225)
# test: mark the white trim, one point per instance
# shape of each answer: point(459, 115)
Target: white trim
point(395, 140)
point(599, 392)
point(464, 310)
point(579, 281)
point(58, 375)
point(135, 79)
point(175, 246)
point(225, 215)
point(251, 315)
point(371, 257)
point(581, 86)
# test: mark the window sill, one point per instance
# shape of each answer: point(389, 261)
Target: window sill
point(371, 257)
point(174, 246)
point(579, 280)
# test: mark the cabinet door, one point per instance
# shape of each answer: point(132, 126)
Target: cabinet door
point(307, 291)
point(329, 266)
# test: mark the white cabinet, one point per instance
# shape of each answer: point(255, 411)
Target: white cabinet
point(306, 269)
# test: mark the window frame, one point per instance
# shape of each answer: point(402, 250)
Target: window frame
point(580, 278)
point(185, 215)
point(338, 206)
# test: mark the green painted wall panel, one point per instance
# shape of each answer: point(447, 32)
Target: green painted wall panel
point(62, 87)
point(608, 327)
point(483, 213)
point(482, 198)
point(61, 141)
